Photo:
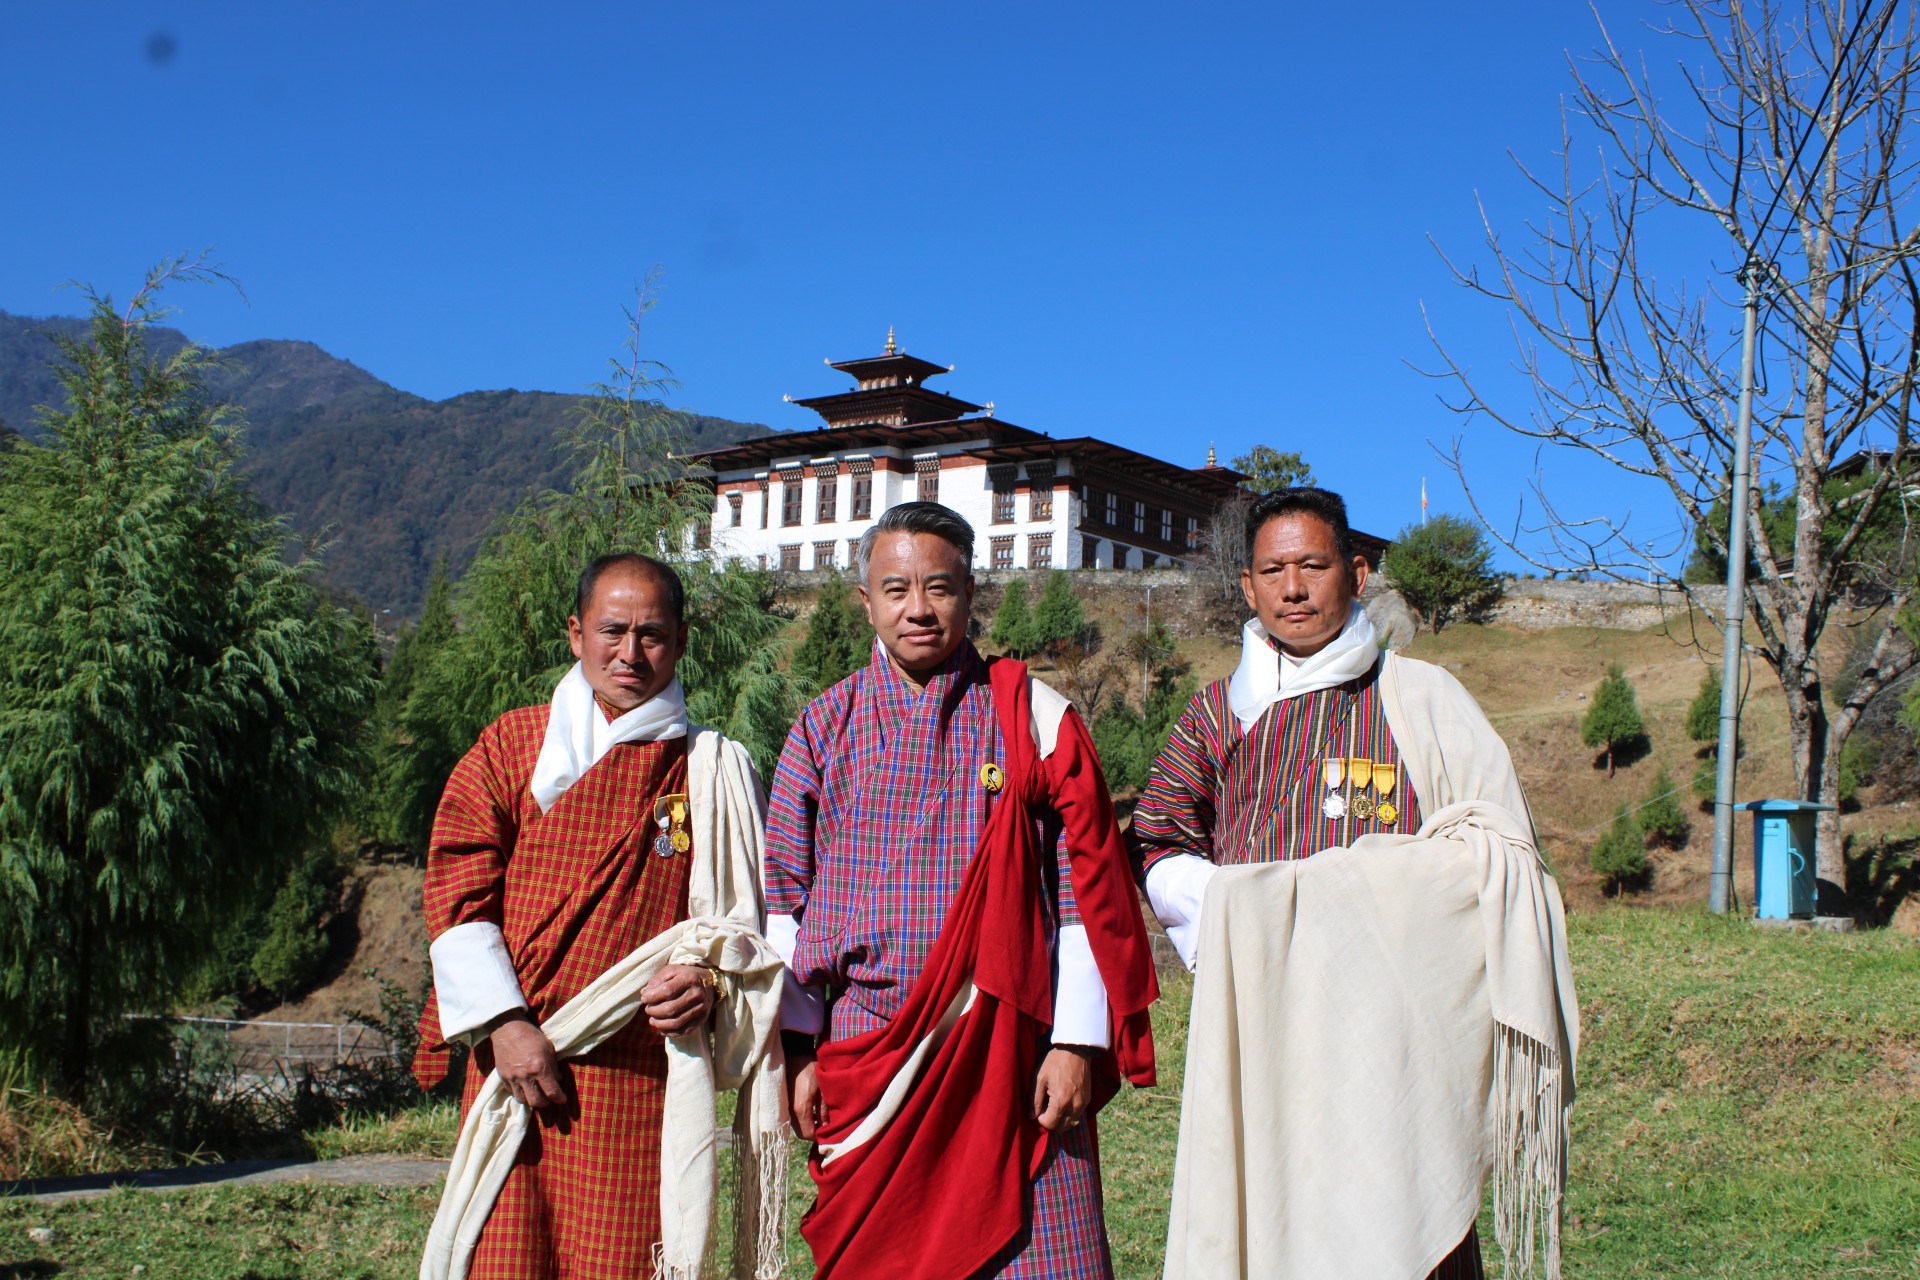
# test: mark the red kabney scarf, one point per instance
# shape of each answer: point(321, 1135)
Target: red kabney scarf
point(946, 1185)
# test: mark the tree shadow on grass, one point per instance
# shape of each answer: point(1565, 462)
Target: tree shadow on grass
point(28, 1270)
point(1625, 754)
point(1881, 874)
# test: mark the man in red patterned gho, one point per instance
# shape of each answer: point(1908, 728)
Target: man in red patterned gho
point(592, 896)
point(967, 953)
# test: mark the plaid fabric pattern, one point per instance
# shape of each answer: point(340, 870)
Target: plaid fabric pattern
point(573, 890)
point(1235, 796)
point(1258, 795)
point(875, 811)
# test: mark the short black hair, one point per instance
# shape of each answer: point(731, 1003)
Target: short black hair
point(661, 572)
point(1323, 504)
point(917, 517)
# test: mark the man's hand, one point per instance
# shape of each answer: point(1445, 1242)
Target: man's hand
point(1064, 1089)
point(803, 1094)
point(677, 1000)
point(525, 1059)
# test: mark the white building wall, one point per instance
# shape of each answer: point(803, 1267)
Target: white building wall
point(964, 487)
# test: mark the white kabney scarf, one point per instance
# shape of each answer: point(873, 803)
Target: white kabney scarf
point(738, 1049)
point(1378, 1028)
point(1262, 679)
point(579, 734)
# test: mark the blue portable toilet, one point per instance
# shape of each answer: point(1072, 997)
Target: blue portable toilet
point(1783, 876)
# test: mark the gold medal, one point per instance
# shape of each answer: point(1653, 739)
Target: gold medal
point(992, 777)
point(1386, 776)
point(670, 815)
point(1362, 807)
point(681, 842)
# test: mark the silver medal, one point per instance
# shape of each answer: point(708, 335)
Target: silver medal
point(1335, 806)
point(663, 843)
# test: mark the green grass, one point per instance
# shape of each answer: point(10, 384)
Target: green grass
point(427, 1131)
point(1747, 1108)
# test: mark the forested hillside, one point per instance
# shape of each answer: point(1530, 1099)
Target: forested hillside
point(399, 480)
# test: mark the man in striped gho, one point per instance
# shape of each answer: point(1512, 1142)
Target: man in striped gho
point(592, 894)
point(948, 884)
point(1337, 843)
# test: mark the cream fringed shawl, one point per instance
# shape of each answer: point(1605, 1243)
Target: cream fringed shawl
point(739, 1049)
point(1377, 1029)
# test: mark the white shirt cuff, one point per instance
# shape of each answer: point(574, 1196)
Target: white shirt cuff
point(1176, 886)
point(473, 977)
point(1080, 996)
point(802, 1008)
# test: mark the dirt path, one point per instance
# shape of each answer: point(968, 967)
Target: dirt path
point(379, 1171)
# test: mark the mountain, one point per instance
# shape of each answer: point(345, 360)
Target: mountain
point(396, 481)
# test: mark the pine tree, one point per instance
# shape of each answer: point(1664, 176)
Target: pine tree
point(1703, 713)
point(1613, 722)
point(1620, 855)
point(1661, 816)
point(1059, 618)
point(1013, 622)
point(838, 638)
point(179, 710)
point(1443, 569)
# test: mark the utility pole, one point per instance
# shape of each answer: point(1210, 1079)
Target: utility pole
point(1720, 891)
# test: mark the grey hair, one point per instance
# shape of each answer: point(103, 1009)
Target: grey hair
point(917, 517)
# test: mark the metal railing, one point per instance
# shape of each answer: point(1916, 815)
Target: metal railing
point(268, 1046)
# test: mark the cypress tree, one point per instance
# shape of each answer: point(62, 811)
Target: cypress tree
point(1703, 713)
point(1613, 722)
point(1013, 622)
point(838, 638)
point(179, 711)
point(1059, 618)
point(1661, 816)
point(1620, 854)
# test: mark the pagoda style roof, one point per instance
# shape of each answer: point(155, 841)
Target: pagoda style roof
point(1216, 482)
point(761, 451)
point(899, 406)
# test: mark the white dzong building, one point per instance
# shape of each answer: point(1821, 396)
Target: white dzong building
point(801, 499)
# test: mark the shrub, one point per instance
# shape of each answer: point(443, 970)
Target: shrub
point(1013, 622)
point(1703, 713)
point(292, 945)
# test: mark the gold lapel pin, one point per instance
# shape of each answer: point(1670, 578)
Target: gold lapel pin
point(992, 777)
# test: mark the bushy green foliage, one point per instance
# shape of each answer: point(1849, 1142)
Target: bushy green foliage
point(1661, 816)
point(407, 743)
point(1613, 722)
point(179, 711)
point(1013, 622)
point(838, 641)
point(1129, 738)
point(1267, 469)
point(1443, 569)
point(1706, 779)
point(1059, 619)
point(1703, 713)
point(627, 494)
point(1620, 855)
point(291, 944)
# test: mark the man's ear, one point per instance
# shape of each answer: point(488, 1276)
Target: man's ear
point(1246, 589)
point(1360, 570)
point(575, 636)
point(866, 603)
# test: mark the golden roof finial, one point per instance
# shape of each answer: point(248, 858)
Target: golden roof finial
point(891, 348)
point(1211, 460)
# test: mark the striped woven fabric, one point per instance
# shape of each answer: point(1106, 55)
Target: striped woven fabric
point(876, 809)
point(574, 890)
point(1259, 795)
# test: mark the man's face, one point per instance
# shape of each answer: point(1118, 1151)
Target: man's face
point(1298, 585)
point(629, 641)
point(919, 595)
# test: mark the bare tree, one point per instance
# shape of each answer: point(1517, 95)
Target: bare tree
point(1785, 140)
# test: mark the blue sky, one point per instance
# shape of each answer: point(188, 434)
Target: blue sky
point(1163, 225)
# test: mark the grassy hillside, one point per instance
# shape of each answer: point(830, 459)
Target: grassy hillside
point(393, 481)
point(1746, 1101)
